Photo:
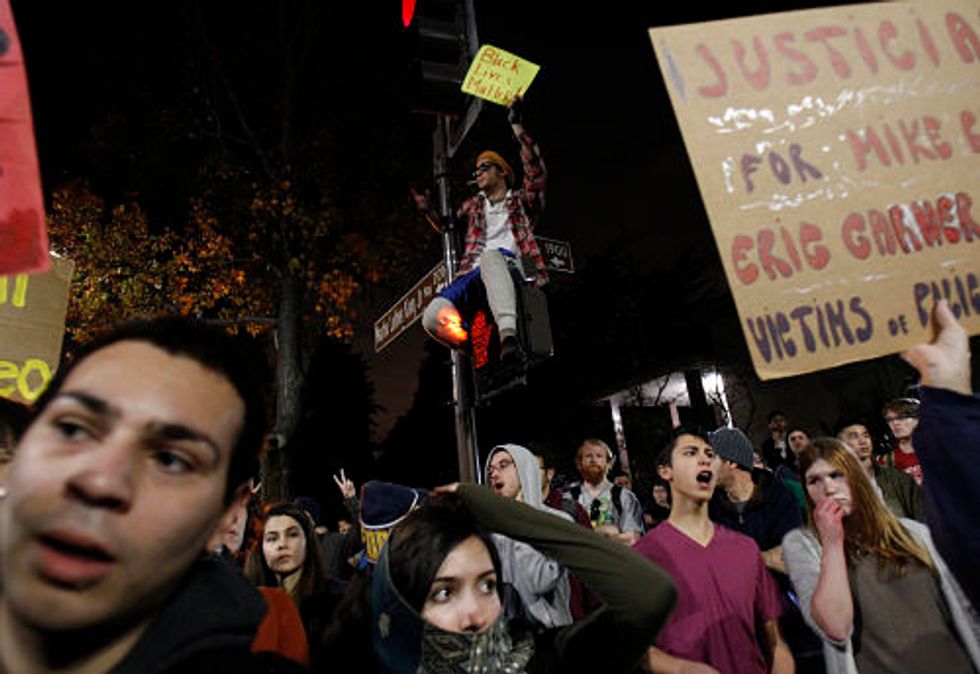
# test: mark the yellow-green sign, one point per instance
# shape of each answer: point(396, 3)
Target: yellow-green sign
point(498, 76)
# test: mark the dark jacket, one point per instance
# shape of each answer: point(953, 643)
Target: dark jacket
point(900, 492)
point(947, 442)
point(206, 626)
point(770, 514)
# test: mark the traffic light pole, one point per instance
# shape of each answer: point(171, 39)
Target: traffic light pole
point(463, 378)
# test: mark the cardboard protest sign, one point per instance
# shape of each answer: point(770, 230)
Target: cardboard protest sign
point(498, 76)
point(838, 155)
point(23, 239)
point(32, 323)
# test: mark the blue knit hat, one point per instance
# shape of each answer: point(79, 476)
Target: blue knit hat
point(383, 505)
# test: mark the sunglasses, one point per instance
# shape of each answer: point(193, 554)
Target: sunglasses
point(483, 168)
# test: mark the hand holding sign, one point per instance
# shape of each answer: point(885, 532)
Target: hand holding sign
point(945, 362)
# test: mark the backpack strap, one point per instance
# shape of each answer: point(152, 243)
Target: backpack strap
point(617, 499)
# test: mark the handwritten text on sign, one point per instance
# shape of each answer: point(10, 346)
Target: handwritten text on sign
point(23, 239)
point(838, 155)
point(32, 324)
point(498, 76)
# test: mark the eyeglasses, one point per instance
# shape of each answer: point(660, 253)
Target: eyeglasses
point(903, 417)
point(483, 168)
point(499, 467)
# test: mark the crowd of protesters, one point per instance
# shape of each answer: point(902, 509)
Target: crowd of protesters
point(132, 539)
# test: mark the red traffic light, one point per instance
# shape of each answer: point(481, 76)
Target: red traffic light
point(408, 11)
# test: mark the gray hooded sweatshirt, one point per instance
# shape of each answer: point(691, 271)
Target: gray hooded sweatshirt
point(541, 582)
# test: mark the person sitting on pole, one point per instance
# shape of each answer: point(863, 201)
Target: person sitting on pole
point(499, 232)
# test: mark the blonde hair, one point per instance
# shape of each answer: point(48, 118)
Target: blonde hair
point(594, 442)
point(870, 528)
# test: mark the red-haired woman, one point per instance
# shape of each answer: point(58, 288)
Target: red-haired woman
point(872, 585)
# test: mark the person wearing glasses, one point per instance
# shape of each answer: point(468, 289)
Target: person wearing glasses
point(499, 234)
point(902, 417)
point(614, 510)
point(900, 493)
point(540, 581)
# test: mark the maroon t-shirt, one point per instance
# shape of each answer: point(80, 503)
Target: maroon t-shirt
point(723, 592)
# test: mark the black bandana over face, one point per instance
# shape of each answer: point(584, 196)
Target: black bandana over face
point(407, 644)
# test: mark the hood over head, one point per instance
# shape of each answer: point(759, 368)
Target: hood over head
point(528, 471)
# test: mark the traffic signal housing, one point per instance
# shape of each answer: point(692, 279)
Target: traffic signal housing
point(494, 376)
point(438, 55)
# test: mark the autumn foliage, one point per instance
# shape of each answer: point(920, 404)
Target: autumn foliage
point(127, 268)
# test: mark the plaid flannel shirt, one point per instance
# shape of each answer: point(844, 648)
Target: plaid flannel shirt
point(524, 206)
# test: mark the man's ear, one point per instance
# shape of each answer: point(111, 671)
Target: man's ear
point(240, 498)
point(550, 474)
point(666, 473)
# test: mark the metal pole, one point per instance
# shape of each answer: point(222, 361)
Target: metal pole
point(463, 403)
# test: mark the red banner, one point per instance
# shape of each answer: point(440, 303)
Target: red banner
point(23, 239)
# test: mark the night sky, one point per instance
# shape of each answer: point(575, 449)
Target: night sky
point(619, 175)
point(618, 171)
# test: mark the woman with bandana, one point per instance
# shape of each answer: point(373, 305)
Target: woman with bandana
point(436, 604)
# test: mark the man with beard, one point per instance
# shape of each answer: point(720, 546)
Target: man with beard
point(727, 590)
point(896, 489)
point(541, 582)
point(614, 511)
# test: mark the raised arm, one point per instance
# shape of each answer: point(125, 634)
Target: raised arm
point(947, 442)
point(637, 596)
point(945, 362)
point(535, 174)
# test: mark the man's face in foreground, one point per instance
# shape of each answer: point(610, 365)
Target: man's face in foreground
point(116, 488)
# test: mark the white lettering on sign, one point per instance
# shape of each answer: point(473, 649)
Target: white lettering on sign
point(557, 254)
point(409, 308)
